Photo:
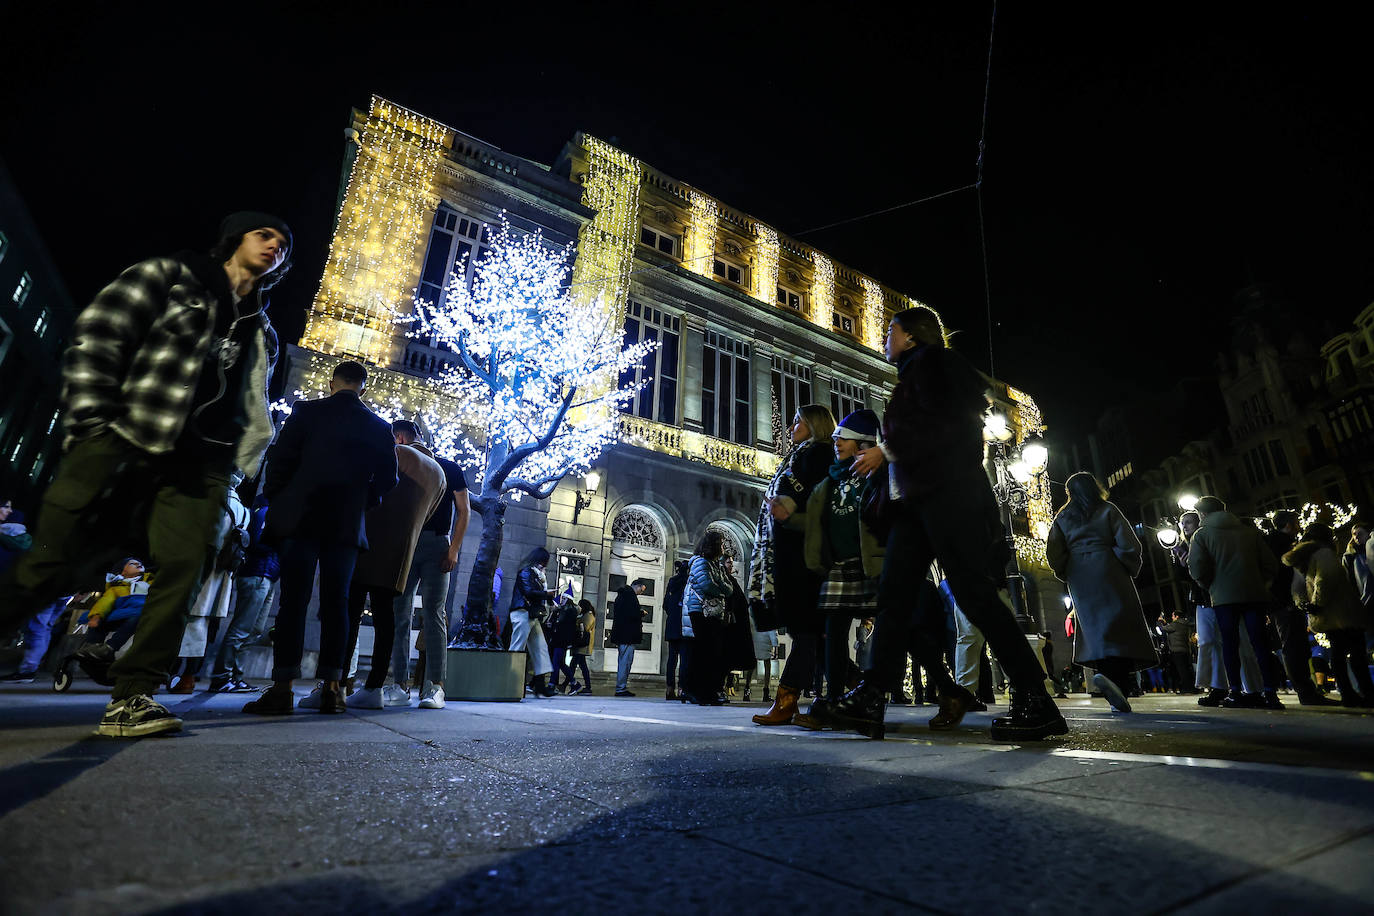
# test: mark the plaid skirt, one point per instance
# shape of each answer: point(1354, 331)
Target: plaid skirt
point(848, 591)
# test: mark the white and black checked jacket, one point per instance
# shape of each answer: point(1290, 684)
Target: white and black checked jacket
point(137, 353)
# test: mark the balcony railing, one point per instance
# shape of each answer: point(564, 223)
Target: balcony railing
point(680, 443)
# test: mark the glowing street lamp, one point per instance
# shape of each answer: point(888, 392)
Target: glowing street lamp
point(1187, 502)
point(1167, 537)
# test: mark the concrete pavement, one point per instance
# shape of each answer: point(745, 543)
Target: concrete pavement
point(596, 804)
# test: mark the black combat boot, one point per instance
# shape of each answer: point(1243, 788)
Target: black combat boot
point(1033, 716)
point(861, 710)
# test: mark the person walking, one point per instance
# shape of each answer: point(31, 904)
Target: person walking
point(393, 529)
point(778, 576)
point(528, 606)
point(333, 459)
point(932, 448)
point(252, 586)
point(1333, 607)
point(582, 647)
point(627, 629)
point(1092, 548)
point(1229, 558)
point(164, 394)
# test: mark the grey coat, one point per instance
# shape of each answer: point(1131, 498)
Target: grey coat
point(1098, 557)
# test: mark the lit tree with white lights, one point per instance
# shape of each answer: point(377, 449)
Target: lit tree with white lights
point(542, 374)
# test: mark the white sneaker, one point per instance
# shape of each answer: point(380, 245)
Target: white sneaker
point(432, 697)
point(366, 698)
point(313, 700)
point(395, 695)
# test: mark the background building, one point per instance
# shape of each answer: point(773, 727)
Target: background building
point(36, 314)
point(750, 326)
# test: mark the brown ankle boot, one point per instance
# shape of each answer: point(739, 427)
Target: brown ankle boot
point(783, 710)
point(670, 694)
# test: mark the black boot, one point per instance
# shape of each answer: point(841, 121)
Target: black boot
point(861, 710)
point(819, 716)
point(1033, 716)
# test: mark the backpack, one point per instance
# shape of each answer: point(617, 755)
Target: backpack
point(232, 549)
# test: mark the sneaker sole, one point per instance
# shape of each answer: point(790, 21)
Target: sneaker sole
point(139, 731)
point(430, 704)
point(1037, 734)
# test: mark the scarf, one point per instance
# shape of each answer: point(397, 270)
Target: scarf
point(761, 560)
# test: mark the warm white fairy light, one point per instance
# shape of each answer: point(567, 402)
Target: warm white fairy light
point(537, 373)
point(766, 273)
point(1336, 515)
point(374, 255)
point(823, 291)
point(699, 247)
point(606, 244)
point(875, 327)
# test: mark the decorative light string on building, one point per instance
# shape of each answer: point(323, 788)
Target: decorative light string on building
point(1331, 514)
point(823, 291)
point(699, 247)
point(606, 244)
point(874, 322)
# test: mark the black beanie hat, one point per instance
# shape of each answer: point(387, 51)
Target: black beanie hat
point(248, 220)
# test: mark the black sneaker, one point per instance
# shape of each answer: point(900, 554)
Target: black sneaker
point(136, 717)
point(1213, 697)
point(623, 693)
point(19, 677)
point(1033, 716)
point(862, 710)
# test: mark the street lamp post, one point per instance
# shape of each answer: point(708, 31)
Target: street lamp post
point(1019, 477)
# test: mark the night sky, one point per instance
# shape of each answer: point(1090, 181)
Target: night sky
point(1140, 168)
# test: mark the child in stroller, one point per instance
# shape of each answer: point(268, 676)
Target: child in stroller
point(108, 625)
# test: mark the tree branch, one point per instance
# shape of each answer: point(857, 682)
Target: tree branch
point(520, 453)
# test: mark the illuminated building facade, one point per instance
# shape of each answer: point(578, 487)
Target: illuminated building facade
point(749, 324)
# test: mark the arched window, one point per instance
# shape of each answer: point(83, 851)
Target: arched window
point(636, 526)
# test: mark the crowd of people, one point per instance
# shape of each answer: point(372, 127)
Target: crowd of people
point(878, 540)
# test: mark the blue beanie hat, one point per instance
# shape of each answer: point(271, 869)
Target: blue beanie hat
point(861, 425)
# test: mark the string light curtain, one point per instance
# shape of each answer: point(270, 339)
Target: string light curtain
point(700, 244)
point(374, 257)
point(875, 325)
point(823, 291)
point(606, 244)
point(766, 274)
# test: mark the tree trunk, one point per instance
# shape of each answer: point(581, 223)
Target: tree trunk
point(479, 618)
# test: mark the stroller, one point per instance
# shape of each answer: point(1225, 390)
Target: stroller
point(94, 651)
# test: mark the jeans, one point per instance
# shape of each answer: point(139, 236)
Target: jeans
point(968, 652)
point(1229, 619)
point(1183, 664)
point(184, 498)
point(579, 661)
point(249, 615)
point(299, 558)
point(528, 635)
point(38, 634)
point(1292, 624)
point(1211, 673)
point(432, 583)
point(622, 666)
point(958, 524)
point(381, 600)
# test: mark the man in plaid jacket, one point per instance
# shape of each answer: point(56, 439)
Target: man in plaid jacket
point(164, 395)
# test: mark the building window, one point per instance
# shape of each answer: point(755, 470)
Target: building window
point(22, 290)
point(791, 386)
point(725, 389)
point(40, 327)
point(845, 398)
point(18, 447)
point(659, 240)
point(733, 271)
point(1279, 455)
point(846, 324)
point(37, 467)
point(659, 370)
point(1256, 409)
point(454, 238)
point(4, 245)
point(789, 298)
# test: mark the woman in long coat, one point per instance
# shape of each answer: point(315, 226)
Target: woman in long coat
point(1093, 549)
point(779, 579)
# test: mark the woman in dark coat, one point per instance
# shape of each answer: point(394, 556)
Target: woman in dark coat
point(1093, 549)
point(779, 579)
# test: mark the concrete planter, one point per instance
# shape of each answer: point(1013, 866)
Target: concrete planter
point(490, 675)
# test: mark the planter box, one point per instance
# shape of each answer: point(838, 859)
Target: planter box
point(491, 675)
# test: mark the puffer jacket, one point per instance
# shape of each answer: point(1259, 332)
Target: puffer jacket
point(1325, 588)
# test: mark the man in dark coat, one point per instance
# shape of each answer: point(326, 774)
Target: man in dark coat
point(332, 461)
point(627, 629)
point(164, 394)
point(932, 446)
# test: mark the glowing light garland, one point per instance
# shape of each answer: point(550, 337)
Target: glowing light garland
point(1340, 516)
point(374, 256)
point(605, 247)
point(823, 291)
point(537, 373)
point(699, 247)
point(874, 325)
point(766, 273)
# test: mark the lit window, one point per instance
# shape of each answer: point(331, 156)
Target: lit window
point(18, 447)
point(40, 327)
point(659, 240)
point(52, 423)
point(21, 292)
point(4, 245)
